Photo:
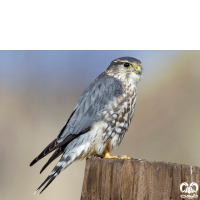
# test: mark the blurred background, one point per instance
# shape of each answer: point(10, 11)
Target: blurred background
point(39, 89)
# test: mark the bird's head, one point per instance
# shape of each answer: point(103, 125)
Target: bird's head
point(125, 68)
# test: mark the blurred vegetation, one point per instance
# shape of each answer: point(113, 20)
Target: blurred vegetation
point(165, 126)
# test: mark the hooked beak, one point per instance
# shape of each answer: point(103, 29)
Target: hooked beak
point(138, 70)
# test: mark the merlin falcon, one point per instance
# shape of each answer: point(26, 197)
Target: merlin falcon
point(99, 120)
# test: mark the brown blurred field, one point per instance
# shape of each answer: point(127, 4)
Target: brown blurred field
point(165, 127)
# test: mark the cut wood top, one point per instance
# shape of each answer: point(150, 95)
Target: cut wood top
point(136, 179)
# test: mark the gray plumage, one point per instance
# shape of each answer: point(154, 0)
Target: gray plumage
point(96, 105)
point(93, 100)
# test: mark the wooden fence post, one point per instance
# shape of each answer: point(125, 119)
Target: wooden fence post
point(117, 179)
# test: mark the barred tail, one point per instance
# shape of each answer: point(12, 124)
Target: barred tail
point(71, 152)
point(61, 165)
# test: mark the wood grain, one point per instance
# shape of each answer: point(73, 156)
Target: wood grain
point(117, 179)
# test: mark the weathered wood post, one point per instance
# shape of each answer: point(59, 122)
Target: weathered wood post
point(116, 179)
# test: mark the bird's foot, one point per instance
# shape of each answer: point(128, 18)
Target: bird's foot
point(125, 157)
point(107, 155)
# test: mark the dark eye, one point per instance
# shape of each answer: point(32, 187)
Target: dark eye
point(126, 65)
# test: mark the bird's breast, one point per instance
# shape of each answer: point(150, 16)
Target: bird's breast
point(117, 116)
point(115, 120)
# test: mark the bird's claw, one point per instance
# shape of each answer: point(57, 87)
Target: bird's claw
point(124, 157)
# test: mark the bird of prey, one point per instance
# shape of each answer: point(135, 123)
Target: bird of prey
point(99, 120)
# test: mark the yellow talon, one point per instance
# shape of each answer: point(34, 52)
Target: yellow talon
point(125, 157)
point(107, 155)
